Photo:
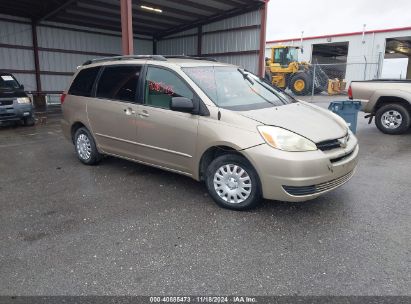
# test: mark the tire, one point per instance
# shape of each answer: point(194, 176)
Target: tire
point(29, 121)
point(393, 119)
point(297, 80)
point(225, 171)
point(85, 147)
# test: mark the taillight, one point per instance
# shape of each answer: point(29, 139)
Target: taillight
point(350, 92)
point(62, 98)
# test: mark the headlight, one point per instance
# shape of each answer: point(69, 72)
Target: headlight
point(285, 140)
point(23, 100)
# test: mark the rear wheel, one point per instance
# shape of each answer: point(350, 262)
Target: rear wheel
point(233, 183)
point(393, 119)
point(300, 84)
point(85, 146)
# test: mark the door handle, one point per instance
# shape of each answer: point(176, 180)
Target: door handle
point(144, 113)
point(129, 111)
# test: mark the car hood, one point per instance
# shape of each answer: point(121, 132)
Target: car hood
point(310, 121)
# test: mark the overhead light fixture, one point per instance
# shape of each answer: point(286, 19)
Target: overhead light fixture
point(149, 8)
point(391, 52)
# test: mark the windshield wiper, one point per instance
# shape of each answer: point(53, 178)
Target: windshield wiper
point(246, 76)
point(279, 90)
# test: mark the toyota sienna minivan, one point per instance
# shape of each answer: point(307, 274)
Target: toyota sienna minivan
point(211, 121)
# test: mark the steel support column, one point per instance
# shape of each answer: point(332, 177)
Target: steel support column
point(36, 56)
point(263, 29)
point(127, 27)
point(200, 41)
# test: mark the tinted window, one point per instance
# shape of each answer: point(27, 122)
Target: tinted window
point(162, 85)
point(119, 82)
point(83, 84)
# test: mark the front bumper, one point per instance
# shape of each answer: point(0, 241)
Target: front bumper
point(301, 176)
point(15, 112)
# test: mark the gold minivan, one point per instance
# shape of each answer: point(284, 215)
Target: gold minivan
point(211, 121)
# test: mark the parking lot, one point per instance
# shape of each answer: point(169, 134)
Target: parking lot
point(121, 228)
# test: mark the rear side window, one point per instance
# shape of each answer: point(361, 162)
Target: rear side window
point(119, 83)
point(83, 83)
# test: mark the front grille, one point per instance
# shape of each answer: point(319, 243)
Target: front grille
point(7, 115)
point(314, 189)
point(338, 159)
point(329, 145)
point(6, 102)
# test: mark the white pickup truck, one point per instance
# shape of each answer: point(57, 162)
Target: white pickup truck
point(388, 100)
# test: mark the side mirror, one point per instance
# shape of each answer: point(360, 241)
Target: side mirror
point(22, 87)
point(182, 104)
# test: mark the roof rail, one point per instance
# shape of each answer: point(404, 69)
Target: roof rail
point(189, 57)
point(127, 57)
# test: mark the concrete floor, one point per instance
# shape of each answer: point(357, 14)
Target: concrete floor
point(125, 229)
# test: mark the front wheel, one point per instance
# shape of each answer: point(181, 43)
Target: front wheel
point(85, 146)
point(29, 121)
point(233, 183)
point(393, 119)
point(300, 84)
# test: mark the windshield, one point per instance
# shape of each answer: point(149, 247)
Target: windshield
point(234, 89)
point(292, 55)
point(7, 82)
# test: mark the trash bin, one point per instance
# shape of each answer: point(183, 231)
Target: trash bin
point(348, 110)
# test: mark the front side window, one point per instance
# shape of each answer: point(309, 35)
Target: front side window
point(162, 85)
point(234, 89)
point(292, 55)
point(119, 83)
point(278, 56)
point(83, 84)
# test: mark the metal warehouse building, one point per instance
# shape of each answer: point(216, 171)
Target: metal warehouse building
point(42, 42)
point(356, 56)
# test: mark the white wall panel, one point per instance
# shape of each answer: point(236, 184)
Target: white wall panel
point(247, 61)
point(28, 80)
point(62, 62)
point(251, 18)
point(16, 59)
point(178, 46)
point(188, 32)
point(15, 33)
point(221, 42)
point(143, 47)
point(235, 41)
point(79, 41)
point(87, 42)
point(54, 82)
point(76, 41)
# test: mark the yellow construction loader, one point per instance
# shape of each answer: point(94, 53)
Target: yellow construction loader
point(285, 71)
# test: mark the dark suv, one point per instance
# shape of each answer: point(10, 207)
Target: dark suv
point(15, 105)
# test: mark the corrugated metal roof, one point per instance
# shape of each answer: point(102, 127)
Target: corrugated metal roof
point(176, 16)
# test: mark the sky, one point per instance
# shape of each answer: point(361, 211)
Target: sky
point(286, 19)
